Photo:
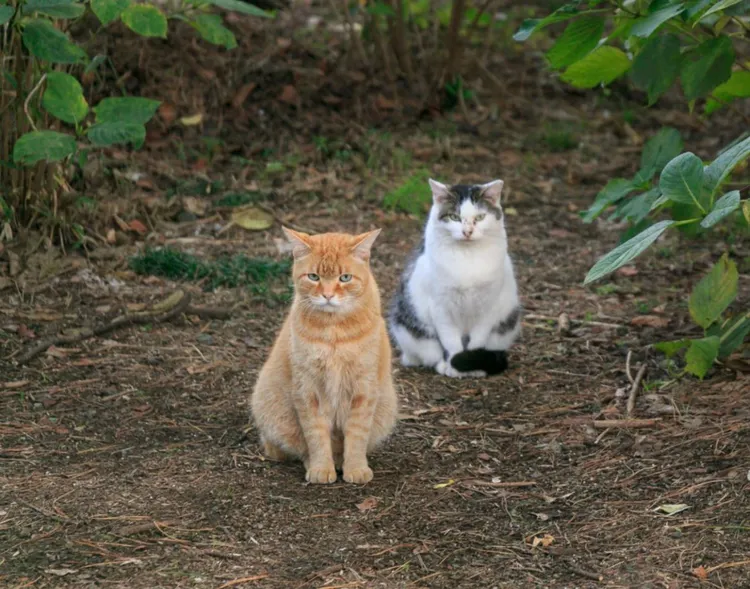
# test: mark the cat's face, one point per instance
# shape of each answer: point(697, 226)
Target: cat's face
point(331, 270)
point(468, 212)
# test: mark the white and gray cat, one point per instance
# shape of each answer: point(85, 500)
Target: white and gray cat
point(457, 307)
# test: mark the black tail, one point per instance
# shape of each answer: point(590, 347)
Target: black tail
point(491, 361)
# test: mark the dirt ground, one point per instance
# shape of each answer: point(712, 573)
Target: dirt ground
point(126, 460)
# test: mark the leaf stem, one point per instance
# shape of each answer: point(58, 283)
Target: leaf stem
point(688, 221)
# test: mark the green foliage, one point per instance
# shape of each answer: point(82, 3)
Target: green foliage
point(64, 99)
point(413, 196)
point(666, 41)
point(259, 274)
point(38, 146)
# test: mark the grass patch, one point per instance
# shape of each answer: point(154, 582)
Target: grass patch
point(237, 199)
point(262, 276)
point(413, 196)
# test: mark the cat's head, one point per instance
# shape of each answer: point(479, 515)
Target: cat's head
point(331, 271)
point(468, 213)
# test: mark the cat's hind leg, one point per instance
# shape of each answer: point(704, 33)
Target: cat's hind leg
point(417, 351)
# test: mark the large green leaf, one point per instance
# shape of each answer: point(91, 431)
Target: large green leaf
point(726, 205)
point(108, 11)
point(210, 27)
point(579, 38)
point(38, 146)
point(55, 8)
point(714, 293)
point(701, 355)
point(721, 5)
point(601, 66)
point(657, 66)
point(129, 109)
point(733, 333)
point(738, 86)
point(114, 132)
point(706, 67)
point(6, 13)
point(44, 41)
point(718, 170)
point(64, 98)
point(240, 6)
point(622, 254)
point(145, 19)
point(659, 151)
point(615, 190)
point(644, 26)
point(682, 179)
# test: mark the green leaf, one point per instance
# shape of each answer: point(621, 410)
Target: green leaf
point(657, 66)
point(146, 20)
point(659, 151)
point(129, 109)
point(210, 27)
point(671, 348)
point(706, 67)
point(45, 42)
point(682, 179)
point(380, 9)
point(108, 11)
point(701, 355)
point(114, 132)
point(601, 66)
point(622, 254)
point(721, 5)
point(644, 26)
point(243, 7)
point(638, 207)
point(718, 170)
point(726, 205)
point(55, 8)
point(43, 145)
point(615, 190)
point(714, 293)
point(64, 99)
point(532, 25)
point(746, 211)
point(579, 38)
point(738, 86)
point(6, 13)
point(95, 63)
point(733, 333)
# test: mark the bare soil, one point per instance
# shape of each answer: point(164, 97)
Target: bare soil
point(128, 460)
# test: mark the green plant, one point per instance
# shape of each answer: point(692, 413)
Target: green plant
point(412, 196)
point(656, 43)
point(45, 118)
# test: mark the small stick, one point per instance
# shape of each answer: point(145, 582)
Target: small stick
point(584, 573)
point(243, 580)
point(634, 389)
point(627, 366)
point(625, 423)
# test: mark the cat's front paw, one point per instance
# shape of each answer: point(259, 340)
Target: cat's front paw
point(358, 475)
point(321, 475)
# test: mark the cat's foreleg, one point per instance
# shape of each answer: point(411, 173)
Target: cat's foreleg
point(357, 436)
point(316, 429)
point(452, 343)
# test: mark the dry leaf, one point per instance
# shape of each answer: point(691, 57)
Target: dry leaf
point(241, 96)
point(544, 541)
point(61, 572)
point(195, 205)
point(368, 504)
point(167, 113)
point(25, 332)
point(138, 227)
point(627, 271)
point(252, 218)
point(111, 236)
point(672, 508)
point(701, 572)
point(649, 321)
point(192, 120)
point(384, 103)
point(289, 95)
point(443, 485)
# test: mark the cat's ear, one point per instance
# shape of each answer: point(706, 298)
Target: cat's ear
point(362, 244)
point(492, 191)
point(440, 192)
point(301, 245)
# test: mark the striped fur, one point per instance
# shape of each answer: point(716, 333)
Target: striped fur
point(325, 395)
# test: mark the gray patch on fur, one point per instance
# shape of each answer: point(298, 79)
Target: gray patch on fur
point(460, 193)
point(465, 339)
point(402, 310)
point(509, 323)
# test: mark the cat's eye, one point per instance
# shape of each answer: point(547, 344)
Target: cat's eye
point(313, 277)
point(454, 217)
point(480, 217)
point(345, 278)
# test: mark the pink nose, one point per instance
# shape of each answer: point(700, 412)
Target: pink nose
point(468, 232)
point(328, 297)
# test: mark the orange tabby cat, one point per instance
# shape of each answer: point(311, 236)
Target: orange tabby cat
point(325, 394)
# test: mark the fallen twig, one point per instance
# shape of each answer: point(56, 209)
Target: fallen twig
point(584, 573)
point(625, 423)
point(174, 305)
point(242, 580)
point(634, 389)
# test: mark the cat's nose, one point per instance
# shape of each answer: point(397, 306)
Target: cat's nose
point(327, 297)
point(468, 232)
